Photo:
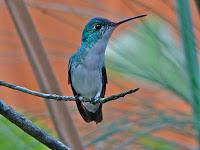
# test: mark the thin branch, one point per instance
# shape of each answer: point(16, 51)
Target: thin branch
point(31, 129)
point(66, 98)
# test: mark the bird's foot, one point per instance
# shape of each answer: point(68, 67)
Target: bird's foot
point(94, 100)
point(79, 97)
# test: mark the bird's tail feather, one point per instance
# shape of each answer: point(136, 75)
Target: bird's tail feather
point(90, 116)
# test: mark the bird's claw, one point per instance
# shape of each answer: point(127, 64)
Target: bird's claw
point(94, 100)
point(78, 97)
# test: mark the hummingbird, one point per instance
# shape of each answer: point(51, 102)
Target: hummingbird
point(86, 69)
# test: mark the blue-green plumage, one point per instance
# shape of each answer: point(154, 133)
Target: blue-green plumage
point(86, 69)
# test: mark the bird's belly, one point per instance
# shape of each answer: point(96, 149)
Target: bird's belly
point(87, 82)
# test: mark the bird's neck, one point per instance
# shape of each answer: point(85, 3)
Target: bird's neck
point(93, 55)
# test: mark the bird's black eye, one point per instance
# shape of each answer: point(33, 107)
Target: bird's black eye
point(97, 26)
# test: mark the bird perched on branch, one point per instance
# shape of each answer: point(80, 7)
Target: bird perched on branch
point(86, 69)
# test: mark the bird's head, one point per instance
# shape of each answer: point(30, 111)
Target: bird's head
point(101, 28)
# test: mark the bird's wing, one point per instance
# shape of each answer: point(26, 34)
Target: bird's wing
point(69, 76)
point(104, 81)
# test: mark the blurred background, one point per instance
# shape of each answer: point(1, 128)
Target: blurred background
point(147, 53)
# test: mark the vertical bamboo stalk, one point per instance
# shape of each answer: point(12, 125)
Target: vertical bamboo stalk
point(43, 72)
point(189, 45)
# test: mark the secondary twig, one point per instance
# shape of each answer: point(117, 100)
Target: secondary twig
point(66, 98)
point(31, 129)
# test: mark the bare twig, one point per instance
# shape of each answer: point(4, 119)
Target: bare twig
point(66, 98)
point(31, 129)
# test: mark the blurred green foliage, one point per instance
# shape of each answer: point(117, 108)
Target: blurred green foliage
point(152, 143)
point(198, 4)
point(12, 137)
point(191, 54)
point(151, 53)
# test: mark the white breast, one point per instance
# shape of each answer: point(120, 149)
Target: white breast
point(87, 83)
